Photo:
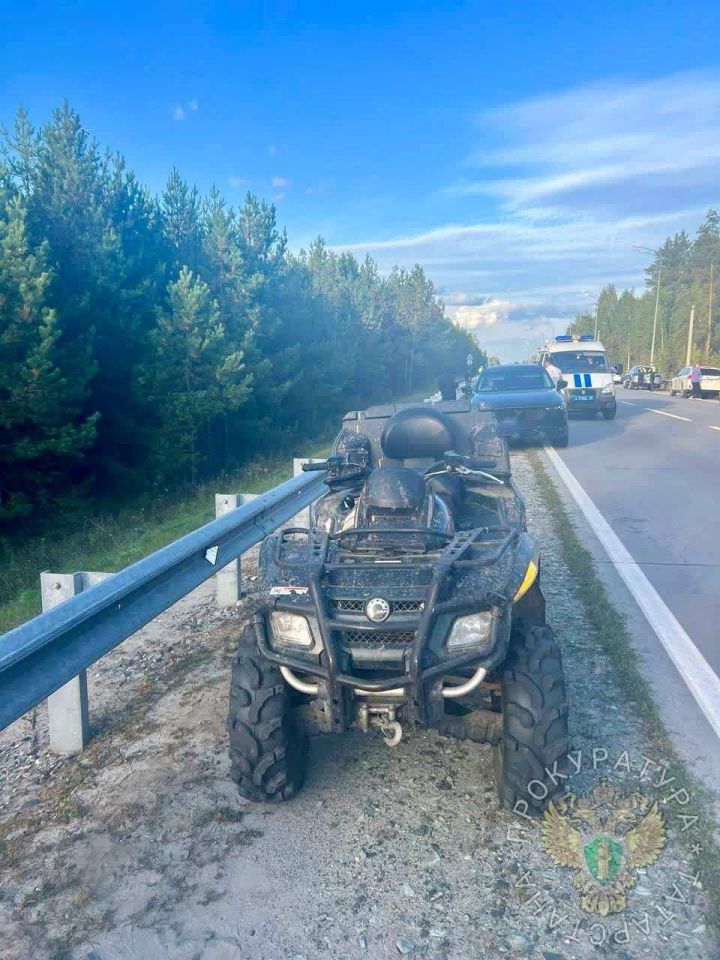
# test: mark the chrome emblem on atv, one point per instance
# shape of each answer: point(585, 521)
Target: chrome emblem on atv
point(377, 610)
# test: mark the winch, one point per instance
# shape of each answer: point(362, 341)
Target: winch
point(382, 717)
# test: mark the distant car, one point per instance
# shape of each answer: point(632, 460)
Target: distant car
point(641, 377)
point(709, 382)
point(527, 405)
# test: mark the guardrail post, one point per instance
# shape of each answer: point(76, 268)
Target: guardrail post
point(68, 717)
point(228, 586)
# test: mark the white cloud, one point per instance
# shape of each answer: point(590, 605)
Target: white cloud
point(605, 134)
point(279, 182)
point(567, 184)
point(484, 315)
point(272, 150)
point(237, 182)
point(180, 110)
point(278, 197)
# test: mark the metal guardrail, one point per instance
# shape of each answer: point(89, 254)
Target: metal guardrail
point(40, 656)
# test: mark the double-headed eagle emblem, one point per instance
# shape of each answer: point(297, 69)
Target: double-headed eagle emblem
point(604, 838)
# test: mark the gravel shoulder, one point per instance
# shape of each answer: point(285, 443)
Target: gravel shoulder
point(141, 848)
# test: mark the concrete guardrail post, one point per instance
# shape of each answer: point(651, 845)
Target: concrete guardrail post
point(68, 713)
point(228, 585)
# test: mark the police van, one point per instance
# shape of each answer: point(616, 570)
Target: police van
point(583, 365)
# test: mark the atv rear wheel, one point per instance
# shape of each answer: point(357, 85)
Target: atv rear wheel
point(267, 750)
point(535, 735)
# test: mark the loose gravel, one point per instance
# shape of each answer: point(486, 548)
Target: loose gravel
point(140, 849)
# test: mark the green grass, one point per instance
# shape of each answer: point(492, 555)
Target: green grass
point(610, 632)
point(109, 538)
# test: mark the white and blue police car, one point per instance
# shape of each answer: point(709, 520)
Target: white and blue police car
point(583, 364)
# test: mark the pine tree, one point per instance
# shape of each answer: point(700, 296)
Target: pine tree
point(191, 378)
point(175, 336)
point(42, 431)
point(180, 210)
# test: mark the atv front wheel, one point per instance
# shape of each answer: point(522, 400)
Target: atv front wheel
point(535, 735)
point(267, 751)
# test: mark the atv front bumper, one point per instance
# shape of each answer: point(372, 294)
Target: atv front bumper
point(413, 676)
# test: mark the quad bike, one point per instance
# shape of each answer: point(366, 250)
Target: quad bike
point(412, 599)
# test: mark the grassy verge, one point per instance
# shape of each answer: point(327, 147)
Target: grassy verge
point(107, 539)
point(610, 631)
point(111, 536)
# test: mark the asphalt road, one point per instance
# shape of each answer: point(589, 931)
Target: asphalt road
point(654, 473)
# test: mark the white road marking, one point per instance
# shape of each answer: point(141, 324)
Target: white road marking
point(630, 403)
point(715, 428)
point(673, 415)
point(692, 666)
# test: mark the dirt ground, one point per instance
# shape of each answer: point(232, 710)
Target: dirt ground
point(140, 849)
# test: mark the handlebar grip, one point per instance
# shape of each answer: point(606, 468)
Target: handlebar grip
point(317, 466)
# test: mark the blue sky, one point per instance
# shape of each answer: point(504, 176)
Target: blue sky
point(518, 151)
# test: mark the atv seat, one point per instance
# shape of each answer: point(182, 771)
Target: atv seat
point(418, 437)
point(430, 430)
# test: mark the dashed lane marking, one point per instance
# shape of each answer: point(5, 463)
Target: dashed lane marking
point(673, 415)
point(692, 666)
point(714, 428)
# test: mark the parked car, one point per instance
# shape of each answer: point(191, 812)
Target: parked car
point(642, 377)
point(527, 405)
point(583, 364)
point(709, 382)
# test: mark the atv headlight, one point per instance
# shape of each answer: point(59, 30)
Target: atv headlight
point(291, 628)
point(608, 388)
point(470, 633)
point(527, 581)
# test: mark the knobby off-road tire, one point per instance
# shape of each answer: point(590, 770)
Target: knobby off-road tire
point(535, 734)
point(267, 750)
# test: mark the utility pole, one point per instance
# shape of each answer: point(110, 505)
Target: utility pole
point(710, 310)
point(597, 311)
point(657, 304)
point(690, 333)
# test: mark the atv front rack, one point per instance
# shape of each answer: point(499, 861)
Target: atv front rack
point(423, 670)
point(457, 546)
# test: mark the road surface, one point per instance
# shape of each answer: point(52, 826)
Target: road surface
point(653, 473)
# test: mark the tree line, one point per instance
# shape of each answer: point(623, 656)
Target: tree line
point(165, 339)
point(683, 272)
